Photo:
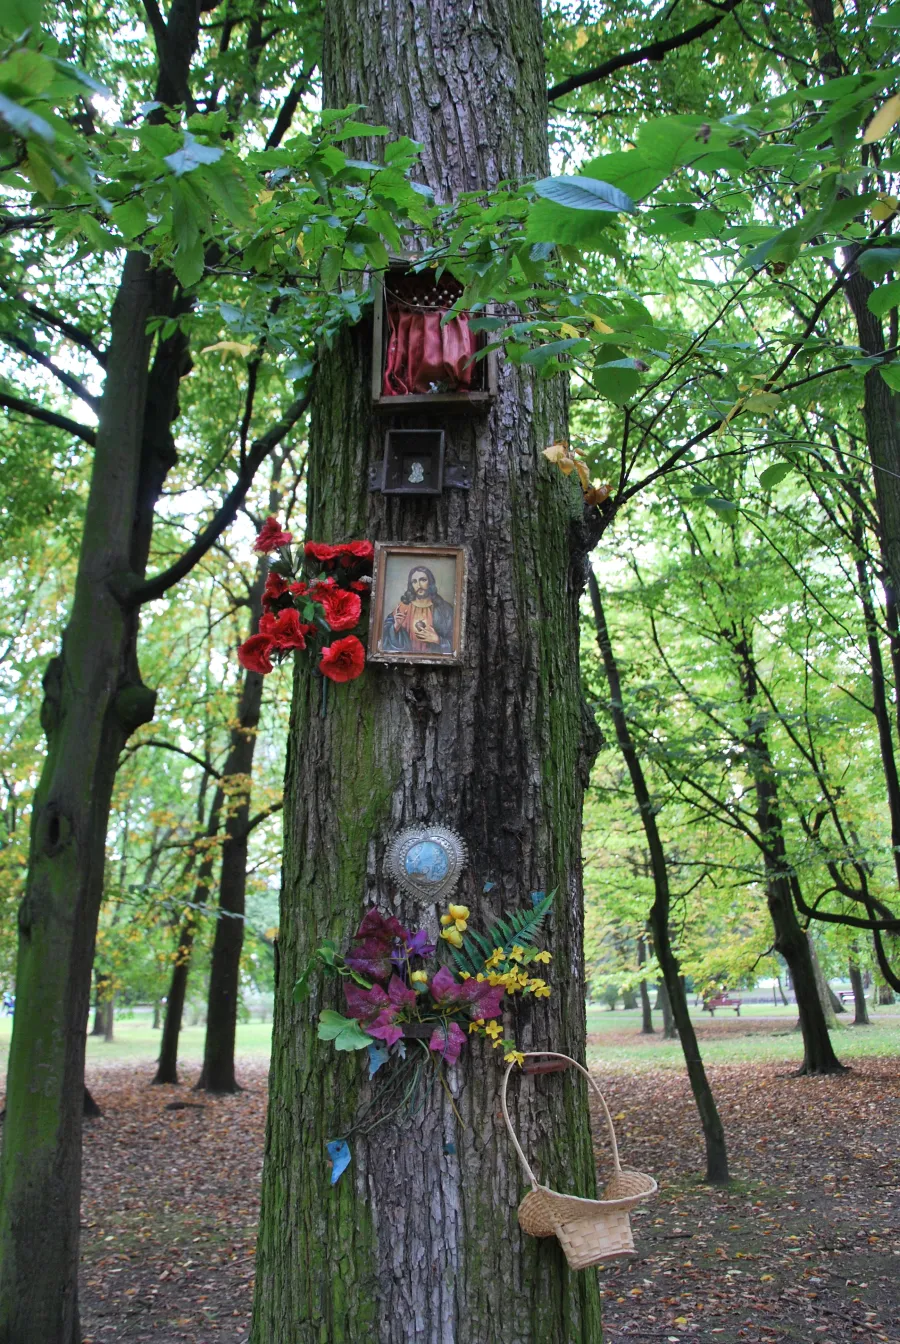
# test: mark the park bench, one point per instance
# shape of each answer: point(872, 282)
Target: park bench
point(722, 1001)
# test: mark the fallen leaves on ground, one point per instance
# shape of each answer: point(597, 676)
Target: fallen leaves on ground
point(804, 1246)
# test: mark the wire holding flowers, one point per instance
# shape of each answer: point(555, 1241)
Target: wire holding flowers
point(302, 612)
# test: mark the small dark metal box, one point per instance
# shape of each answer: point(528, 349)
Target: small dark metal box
point(413, 462)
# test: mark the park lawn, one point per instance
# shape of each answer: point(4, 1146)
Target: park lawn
point(136, 1041)
point(762, 1034)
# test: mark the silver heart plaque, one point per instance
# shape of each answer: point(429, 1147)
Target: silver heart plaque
point(426, 860)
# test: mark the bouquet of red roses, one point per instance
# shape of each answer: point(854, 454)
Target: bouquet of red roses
point(299, 611)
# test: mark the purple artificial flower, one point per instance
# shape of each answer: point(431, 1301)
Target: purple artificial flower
point(364, 1004)
point(417, 944)
point(400, 995)
point(385, 1028)
point(370, 957)
point(444, 989)
point(447, 1041)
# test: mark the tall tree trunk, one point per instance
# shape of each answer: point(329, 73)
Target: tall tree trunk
point(861, 1018)
point(665, 1007)
point(100, 982)
point(713, 1130)
point(646, 1010)
point(790, 939)
point(217, 1073)
point(94, 700)
point(167, 1066)
point(419, 1240)
point(108, 1020)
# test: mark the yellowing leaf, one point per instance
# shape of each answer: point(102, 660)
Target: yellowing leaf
point(883, 120)
point(583, 475)
point(885, 207)
point(566, 329)
point(601, 326)
point(556, 452)
point(764, 403)
point(230, 347)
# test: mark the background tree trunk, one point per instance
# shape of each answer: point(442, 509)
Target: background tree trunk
point(217, 1073)
point(94, 700)
point(646, 1010)
point(419, 1240)
point(673, 984)
point(861, 1018)
point(167, 1067)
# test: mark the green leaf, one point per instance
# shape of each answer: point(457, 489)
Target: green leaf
point(130, 218)
point(302, 986)
point(22, 121)
point(884, 298)
point(17, 15)
point(877, 261)
point(584, 193)
point(539, 356)
point(345, 1032)
point(891, 375)
point(326, 951)
point(330, 267)
point(191, 155)
point(721, 505)
point(775, 474)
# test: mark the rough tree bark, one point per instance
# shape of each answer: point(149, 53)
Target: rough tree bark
point(419, 1241)
point(713, 1130)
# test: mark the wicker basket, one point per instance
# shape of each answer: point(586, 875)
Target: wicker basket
point(589, 1230)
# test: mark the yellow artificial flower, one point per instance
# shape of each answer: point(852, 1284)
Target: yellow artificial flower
point(473, 1026)
point(463, 975)
point(539, 988)
point(498, 1040)
point(544, 957)
point(496, 979)
point(457, 915)
point(494, 959)
point(517, 953)
point(453, 936)
point(493, 1029)
point(480, 978)
point(419, 977)
point(514, 1057)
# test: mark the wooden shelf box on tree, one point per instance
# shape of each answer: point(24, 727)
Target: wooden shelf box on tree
point(409, 340)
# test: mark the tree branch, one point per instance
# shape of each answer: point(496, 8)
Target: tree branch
point(288, 108)
point(261, 817)
point(49, 418)
point(66, 379)
point(82, 338)
point(654, 52)
point(156, 587)
point(170, 746)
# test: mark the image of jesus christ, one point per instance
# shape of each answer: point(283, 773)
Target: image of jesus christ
point(422, 621)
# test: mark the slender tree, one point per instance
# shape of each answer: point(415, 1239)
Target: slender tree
point(710, 1120)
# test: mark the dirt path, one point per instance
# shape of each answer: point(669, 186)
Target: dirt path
point(804, 1247)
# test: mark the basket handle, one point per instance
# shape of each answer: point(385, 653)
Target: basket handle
point(553, 1054)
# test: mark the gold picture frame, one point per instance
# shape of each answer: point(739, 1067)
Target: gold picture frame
point(413, 618)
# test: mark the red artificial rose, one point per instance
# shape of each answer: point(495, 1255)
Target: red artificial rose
point(321, 551)
point(358, 586)
point(299, 588)
point(285, 630)
point(254, 654)
point(342, 608)
point(362, 550)
point(343, 660)
point(271, 537)
point(275, 587)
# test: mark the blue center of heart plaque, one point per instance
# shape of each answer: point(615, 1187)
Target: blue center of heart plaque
point(427, 861)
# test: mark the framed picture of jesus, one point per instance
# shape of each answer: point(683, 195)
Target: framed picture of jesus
point(418, 604)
